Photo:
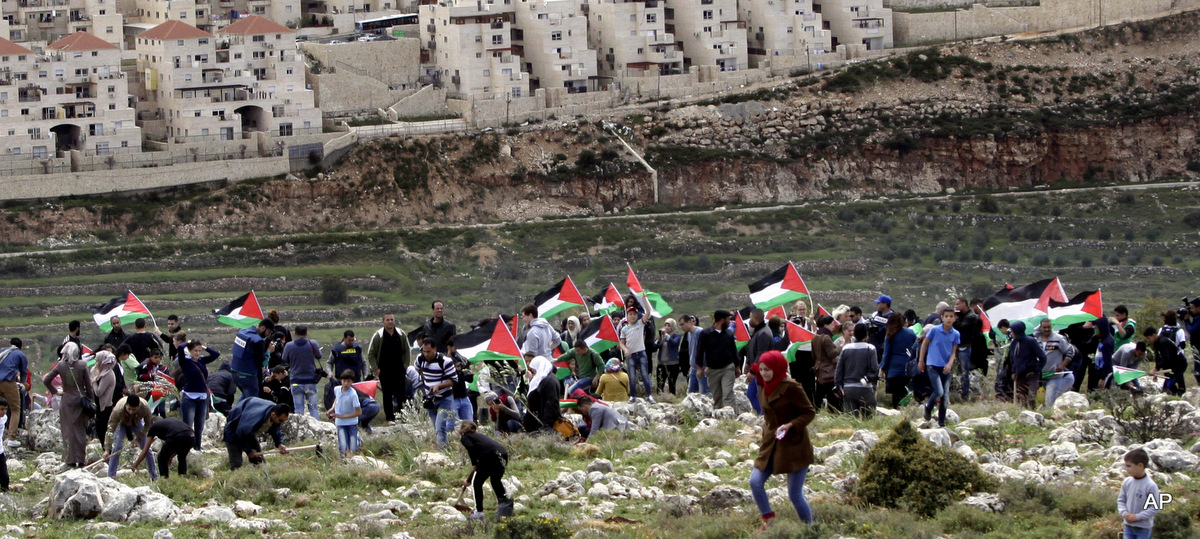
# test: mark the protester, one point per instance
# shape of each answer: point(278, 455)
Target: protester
point(785, 447)
point(717, 357)
point(938, 353)
point(543, 398)
point(130, 418)
point(761, 340)
point(250, 417)
point(153, 370)
point(346, 355)
point(1004, 382)
point(178, 439)
point(76, 386)
point(301, 357)
point(488, 462)
point(969, 327)
point(370, 410)
point(1192, 325)
point(388, 355)
point(13, 364)
point(437, 376)
point(898, 343)
point(464, 398)
point(1124, 327)
point(1168, 359)
point(633, 347)
point(802, 368)
point(877, 323)
point(116, 336)
point(502, 411)
point(600, 417)
point(142, 341)
point(276, 388)
point(1130, 356)
point(104, 382)
point(345, 412)
point(569, 333)
point(194, 358)
point(540, 339)
point(614, 384)
point(1059, 354)
point(825, 354)
point(668, 356)
point(1100, 374)
point(173, 327)
point(856, 373)
point(223, 388)
point(251, 351)
point(437, 327)
point(1027, 360)
point(1139, 501)
point(689, 346)
point(586, 366)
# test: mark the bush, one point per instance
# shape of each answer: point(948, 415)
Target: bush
point(333, 291)
point(988, 204)
point(1085, 504)
point(1104, 234)
point(1028, 497)
point(1141, 419)
point(528, 527)
point(960, 518)
point(1175, 522)
point(905, 471)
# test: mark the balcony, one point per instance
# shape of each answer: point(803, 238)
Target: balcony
point(564, 56)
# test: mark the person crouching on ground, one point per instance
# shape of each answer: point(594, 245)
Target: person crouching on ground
point(786, 448)
point(488, 462)
point(345, 413)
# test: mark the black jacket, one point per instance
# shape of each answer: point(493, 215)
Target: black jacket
point(440, 335)
point(221, 382)
point(717, 349)
point(544, 402)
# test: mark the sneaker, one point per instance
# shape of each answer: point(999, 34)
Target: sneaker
point(477, 516)
point(632, 400)
point(651, 399)
point(12, 443)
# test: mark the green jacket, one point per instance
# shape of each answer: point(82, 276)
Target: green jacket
point(590, 365)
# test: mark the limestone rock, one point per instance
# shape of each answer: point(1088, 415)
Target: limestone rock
point(1032, 419)
point(725, 496)
point(990, 503)
point(305, 427)
point(645, 447)
point(866, 437)
point(1070, 401)
point(432, 460)
point(244, 508)
point(1168, 456)
point(698, 403)
point(977, 422)
point(214, 513)
point(938, 437)
point(164, 534)
point(369, 463)
point(600, 465)
point(42, 432)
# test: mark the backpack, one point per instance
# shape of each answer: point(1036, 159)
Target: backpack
point(650, 334)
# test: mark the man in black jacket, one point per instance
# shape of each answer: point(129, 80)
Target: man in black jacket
point(761, 340)
point(116, 335)
point(717, 358)
point(969, 327)
point(437, 328)
point(222, 387)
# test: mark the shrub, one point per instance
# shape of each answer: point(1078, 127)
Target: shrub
point(1142, 420)
point(1028, 497)
point(1175, 522)
point(905, 471)
point(529, 527)
point(1085, 504)
point(1104, 234)
point(333, 291)
point(988, 204)
point(960, 518)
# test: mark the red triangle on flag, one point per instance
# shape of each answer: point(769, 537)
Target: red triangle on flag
point(135, 305)
point(1054, 291)
point(555, 353)
point(608, 331)
point(983, 317)
point(777, 311)
point(503, 342)
point(821, 310)
point(793, 281)
point(1094, 305)
point(739, 331)
point(632, 281)
point(251, 308)
point(797, 333)
point(612, 296)
point(369, 387)
point(570, 294)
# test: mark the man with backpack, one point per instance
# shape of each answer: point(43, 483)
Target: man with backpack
point(13, 364)
point(301, 357)
point(1060, 355)
point(1027, 359)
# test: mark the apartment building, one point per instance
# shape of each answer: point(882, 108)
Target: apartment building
point(470, 42)
point(73, 96)
point(551, 37)
point(709, 32)
point(209, 15)
point(196, 86)
point(631, 38)
point(784, 28)
point(857, 22)
point(51, 20)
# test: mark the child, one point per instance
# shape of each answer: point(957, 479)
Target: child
point(275, 387)
point(1136, 491)
point(3, 456)
point(488, 461)
point(345, 412)
point(149, 371)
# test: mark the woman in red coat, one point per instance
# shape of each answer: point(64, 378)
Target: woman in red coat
point(786, 448)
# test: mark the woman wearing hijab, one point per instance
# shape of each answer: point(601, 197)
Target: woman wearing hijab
point(786, 448)
point(1103, 363)
point(614, 384)
point(76, 386)
point(568, 335)
point(542, 400)
point(104, 384)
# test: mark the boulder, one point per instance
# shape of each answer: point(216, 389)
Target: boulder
point(977, 422)
point(258, 525)
point(1168, 456)
point(938, 437)
point(42, 432)
point(214, 428)
point(724, 413)
point(600, 465)
point(244, 508)
point(305, 427)
point(706, 424)
point(1070, 401)
point(697, 403)
point(866, 437)
point(164, 534)
point(966, 451)
point(48, 463)
point(1032, 419)
point(369, 463)
point(77, 494)
point(432, 460)
point(212, 513)
point(645, 447)
point(725, 496)
point(1002, 472)
point(990, 503)
point(1064, 453)
point(951, 417)
point(599, 491)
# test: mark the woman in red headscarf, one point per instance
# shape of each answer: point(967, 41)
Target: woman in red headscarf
point(786, 448)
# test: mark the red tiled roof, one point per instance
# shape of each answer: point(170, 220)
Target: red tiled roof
point(174, 29)
point(81, 41)
point(8, 47)
point(255, 25)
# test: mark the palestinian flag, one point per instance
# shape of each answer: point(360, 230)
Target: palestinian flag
point(777, 311)
point(600, 334)
point(568, 403)
point(126, 307)
point(1030, 303)
point(560, 297)
point(983, 317)
point(562, 369)
point(658, 307)
point(821, 310)
point(370, 387)
point(243, 312)
point(489, 342)
point(1123, 375)
point(740, 334)
point(608, 300)
point(782, 286)
point(1084, 307)
point(87, 354)
point(799, 337)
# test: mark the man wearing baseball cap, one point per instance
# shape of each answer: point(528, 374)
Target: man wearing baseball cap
point(878, 323)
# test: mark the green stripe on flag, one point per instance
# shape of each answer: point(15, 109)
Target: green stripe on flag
point(488, 355)
point(1122, 375)
point(239, 322)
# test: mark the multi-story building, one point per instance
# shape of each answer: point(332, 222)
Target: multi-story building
point(470, 42)
point(784, 28)
point(196, 86)
point(631, 38)
point(857, 22)
point(72, 97)
point(551, 37)
point(709, 32)
point(209, 15)
point(50, 20)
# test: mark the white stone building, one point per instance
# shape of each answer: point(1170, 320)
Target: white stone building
point(72, 97)
point(551, 36)
point(857, 22)
point(196, 86)
point(51, 20)
point(709, 31)
point(470, 43)
point(631, 38)
point(783, 28)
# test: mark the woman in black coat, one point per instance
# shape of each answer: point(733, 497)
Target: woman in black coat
point(541, 410)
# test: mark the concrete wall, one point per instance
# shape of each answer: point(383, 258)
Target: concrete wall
point(362, 77)
point(915, 5)
point(427, 101)
point(347, 94)
point(24, 187)
point(982, 21)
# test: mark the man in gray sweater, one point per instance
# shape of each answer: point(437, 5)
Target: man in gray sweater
point(602, 417)
point(856, 374)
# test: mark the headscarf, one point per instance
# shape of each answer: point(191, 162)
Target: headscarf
point(490, 397)
point(613, 365)
point(542, 368)
point(69, 353)
point(1104, 351)
point(574, 333)
point(104, 363)
point(779, 370)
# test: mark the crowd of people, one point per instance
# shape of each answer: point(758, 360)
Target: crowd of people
point(125, 391)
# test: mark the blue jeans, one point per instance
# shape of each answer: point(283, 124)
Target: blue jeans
point(583, 383)
point(119, 443)
point(940, 382)
point(697, 384)
point(638, 363)
point(347, 439)
point(463, 408)
point(964, 363)
point(248, 383)
point(302, 393)
point(1058, 385)
point(752, 394)
point(369, 411)
point(1136, 533)
point(443, 418)
point(194, 412)
point(795, 489)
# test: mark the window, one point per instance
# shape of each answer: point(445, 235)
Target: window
point(708, 14)
point(116, 125)
point(285, 130)
point(277, 111)
point(197, 114)
point(497, 40)
point(789, 29)
point(108, 29)
point(708, 29)
point(204, 132)
point(101, 148)
point(479, 39)
point(204, 41)
point(39, 152)
point(259, 39)
point(641, 50)
point(259, 55)
point(289, 71)
point(651, 17)
point(506, 71)
point(179, 42)
point(187, 77)
point(555, 36)
point(516, 92)
point(95, 129)
point(487, 72)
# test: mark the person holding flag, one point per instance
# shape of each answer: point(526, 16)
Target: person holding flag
point(1126, 361)
point(1168, 358)
point(1057, 373)
point(1027, 359)
point(633, 346)
point(587, 366)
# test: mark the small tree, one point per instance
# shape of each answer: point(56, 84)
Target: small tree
point(1142, 420)
point(333, 291)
